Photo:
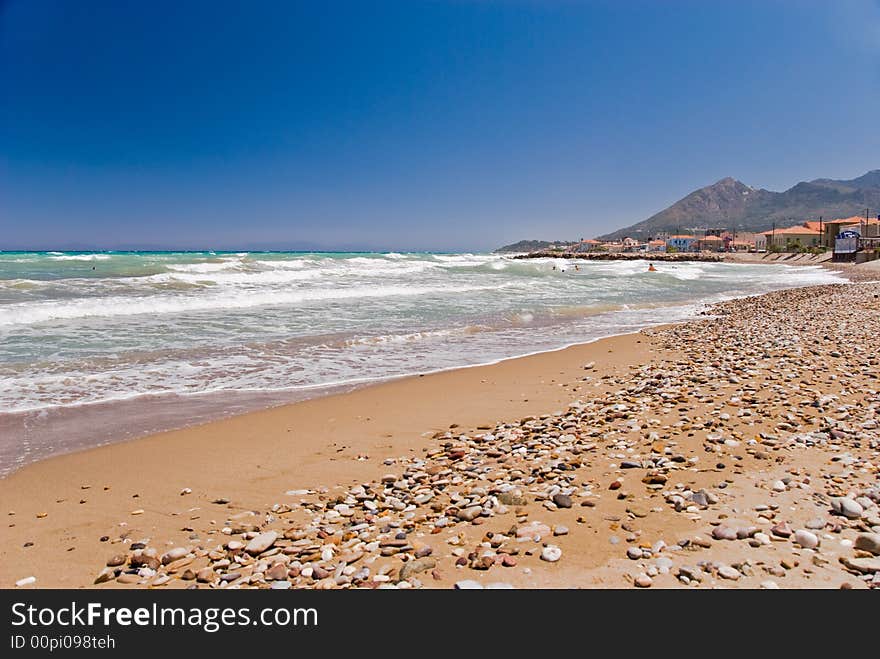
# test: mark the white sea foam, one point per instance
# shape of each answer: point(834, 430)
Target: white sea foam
point(81, 257)
point(27, 313)
point(193, 324)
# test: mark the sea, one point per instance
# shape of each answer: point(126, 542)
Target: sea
point(98, 347)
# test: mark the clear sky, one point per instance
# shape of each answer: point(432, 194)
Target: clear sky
point(414, 124)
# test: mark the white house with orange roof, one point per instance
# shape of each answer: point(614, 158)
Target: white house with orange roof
point(869, 228)
point(790, 238)
point(710, 243)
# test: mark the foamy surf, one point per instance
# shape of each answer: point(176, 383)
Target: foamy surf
point(79, 329)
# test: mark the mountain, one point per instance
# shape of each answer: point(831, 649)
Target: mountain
point(734, 205)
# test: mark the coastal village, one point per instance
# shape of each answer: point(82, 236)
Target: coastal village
point(854, 238)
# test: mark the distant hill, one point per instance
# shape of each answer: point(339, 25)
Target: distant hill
point(530, 245)
point(732, 204)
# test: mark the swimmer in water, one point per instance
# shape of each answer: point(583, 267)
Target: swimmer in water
point(651, 268)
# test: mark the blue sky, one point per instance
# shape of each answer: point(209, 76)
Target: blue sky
point(414, 125)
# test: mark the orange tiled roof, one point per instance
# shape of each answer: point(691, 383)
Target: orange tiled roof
point(713, 238)
point(684, 235)
point(801, 230)
point(855, 219)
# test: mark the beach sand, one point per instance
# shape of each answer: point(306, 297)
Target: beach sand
point(695, 453)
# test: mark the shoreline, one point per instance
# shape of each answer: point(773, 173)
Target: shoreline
point(164, 412)
point(321, 391)
point(511, 386)
point(391, 421)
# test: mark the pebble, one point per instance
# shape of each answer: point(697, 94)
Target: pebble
point(633, 553)
point(643, 581)
point(722, 532)
point(205, 575)
point(728, 572)
point(869, 542)
point(277, 572)
point(411, 568)
point(664, 563)
point(533, 530)
point(699, 498)
point(27, 581)
point(847, 507)
point(470, 514)
point(551, 553)
point(174, 554)
point(806, 539)
point(513, 498)
point(562, 500)
point(865, 565)
point(782, 529)
point(468, 584)
point(261, 542)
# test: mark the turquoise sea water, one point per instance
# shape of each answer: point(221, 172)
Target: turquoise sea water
point(139, 341)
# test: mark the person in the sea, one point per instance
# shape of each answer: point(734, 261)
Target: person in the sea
point(651, 268)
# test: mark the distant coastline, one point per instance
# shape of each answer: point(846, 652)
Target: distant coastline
point(622, 256)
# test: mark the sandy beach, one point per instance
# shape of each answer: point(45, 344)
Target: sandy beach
point(740, 450)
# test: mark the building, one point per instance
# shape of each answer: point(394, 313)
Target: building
point(681, 243)
point(589, 245)
point(710, 243)
point(717, 231)
point(657, 245)
point(743, 246)
point(830, 229)
point(790, 239)
point(741, 237)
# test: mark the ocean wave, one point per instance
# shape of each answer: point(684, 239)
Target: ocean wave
point(81, 257)
point(38, 312)
point(215, 265)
